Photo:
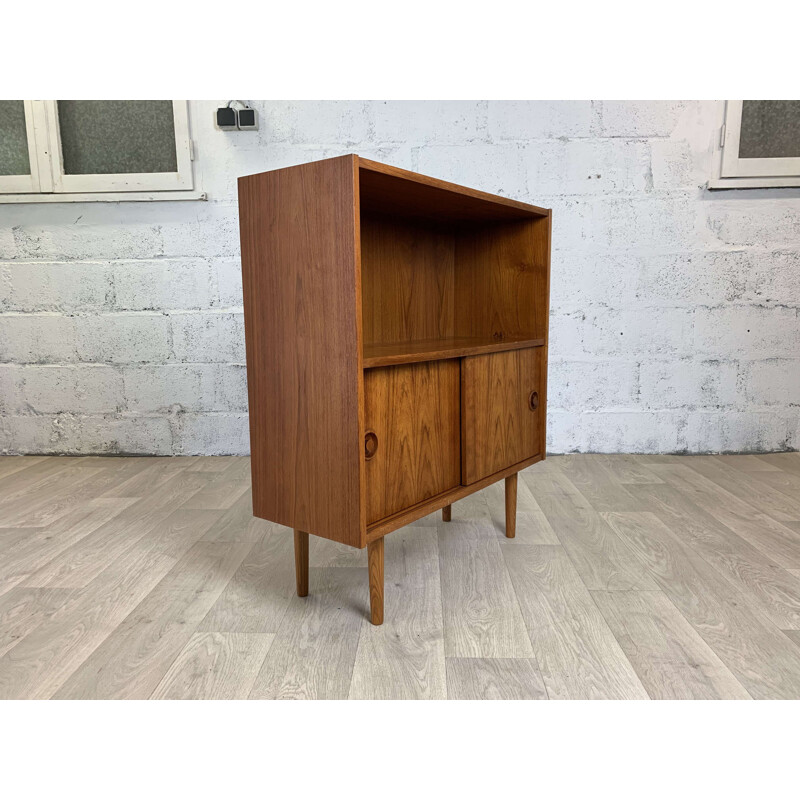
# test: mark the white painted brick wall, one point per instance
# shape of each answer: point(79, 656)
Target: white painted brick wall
point(675, 311)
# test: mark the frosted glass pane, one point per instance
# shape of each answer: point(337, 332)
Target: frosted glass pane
point(103, 137)
point(14, 158)
point(770, 129)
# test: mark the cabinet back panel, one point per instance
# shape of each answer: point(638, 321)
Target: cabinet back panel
point(407, 280)
point(501, 279)
point(299, 229)
point(414, 412)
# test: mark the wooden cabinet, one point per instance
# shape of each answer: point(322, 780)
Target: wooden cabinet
point(396, 333)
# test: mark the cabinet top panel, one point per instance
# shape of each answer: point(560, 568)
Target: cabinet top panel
point(398, 192)
point(389, 190)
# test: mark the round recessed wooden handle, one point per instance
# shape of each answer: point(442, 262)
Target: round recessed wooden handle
point(370, 444)
point(533, 400)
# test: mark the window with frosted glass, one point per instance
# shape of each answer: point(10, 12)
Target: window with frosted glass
point(14, 158)
point(770, 129)
point(106, 137)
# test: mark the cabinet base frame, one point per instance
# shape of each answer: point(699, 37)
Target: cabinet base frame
point(408, 515)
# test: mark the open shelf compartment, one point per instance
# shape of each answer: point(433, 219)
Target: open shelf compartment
point(447, 272)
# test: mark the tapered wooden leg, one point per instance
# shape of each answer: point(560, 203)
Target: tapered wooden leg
point(301, 562)
point(375, 559)
point(511, 506)
point(446, 513)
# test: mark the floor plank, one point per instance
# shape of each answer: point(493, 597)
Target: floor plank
point(628, 469)
point(23, 609)
point(312, 655)
point(482, 617)
point(494, 679)
point(773, 590)
point(533, 526)
point(131, 662)
point(670, 658)
point(777, 541)
point(577, 654)
point(215, 666)
point(752, 648)
point(783, 461)
point(40, 663)
point(590, 475)
point(403, 659)
point(10, 465)
point(43, 545)
point(601, 558)
point(257, 596)
point(760, 494)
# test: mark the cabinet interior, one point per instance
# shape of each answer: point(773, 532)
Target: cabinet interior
point(443, 275)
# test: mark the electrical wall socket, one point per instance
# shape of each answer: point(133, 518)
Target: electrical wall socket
point(248, 119)
point(226, 119)
point(233, 119)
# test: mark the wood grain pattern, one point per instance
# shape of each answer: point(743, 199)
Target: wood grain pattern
point(257, 596)
point(777, 541)
point(312, 655)
point(481, 615)
point(407, 352)
point(43, 660)
point(511, 506)
point(494, 679)
point(375, 568)
point(670, 658)
point(719, 598)
point(301, 562)
point(391, 190)
point(770, 589)
point(303, 339)
point(761, 495)
point(23, 609)
point(577, 654)
point(416, 512)
point(601, 558)
point(597, 483)
point(498, 426)
point(414, 412)
point(501, 280)
point(532, 526)
point(407, 281)
point(404, 657)
point(763, 660)
point(215, 666)
point(36, 548)
point(130, 663)
point(237, 524)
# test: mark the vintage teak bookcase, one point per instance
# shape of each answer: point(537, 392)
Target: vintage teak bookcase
point(396, 331)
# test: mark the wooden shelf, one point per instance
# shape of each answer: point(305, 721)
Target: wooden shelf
point(384, 355)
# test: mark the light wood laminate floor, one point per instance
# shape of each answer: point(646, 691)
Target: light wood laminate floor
point(636, 577)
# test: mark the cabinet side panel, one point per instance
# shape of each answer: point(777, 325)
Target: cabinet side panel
point(299, 267)
point(542, 235)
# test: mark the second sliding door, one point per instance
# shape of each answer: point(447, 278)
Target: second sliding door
point(500, 416)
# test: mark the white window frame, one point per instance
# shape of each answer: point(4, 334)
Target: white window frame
point(32, 181)
point(48, 183)
point(732, 172)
